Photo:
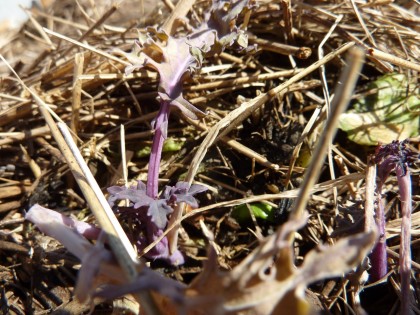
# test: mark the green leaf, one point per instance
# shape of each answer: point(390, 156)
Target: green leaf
point(170, 145)
point(260, 210)
point(390, 113)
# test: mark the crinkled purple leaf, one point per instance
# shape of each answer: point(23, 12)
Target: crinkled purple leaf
point(392, 155)
point(176, 58)
point(98, 261)
point(182, 192)
point(137, 195)
point(158, 211)
point(95, 258)
point(182, 186)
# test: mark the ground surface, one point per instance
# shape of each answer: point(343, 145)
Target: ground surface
point(37, 275)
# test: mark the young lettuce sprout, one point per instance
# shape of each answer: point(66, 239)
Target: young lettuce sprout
point(395, 156)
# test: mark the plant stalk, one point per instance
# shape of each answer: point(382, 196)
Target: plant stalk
point(161, 127)
point(378, 256)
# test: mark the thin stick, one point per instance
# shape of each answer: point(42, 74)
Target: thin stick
point(262, 160)
point(99, 22)
point(36, 170)
point(342, 97)
point(123, 155)
point(169, 4)
point(141, 74)
point(376, 53)
point(87, 47)
point(300, 52)
point(39, 28)
point(287, 17)
point(326, 93)
point(296, 150)
point(362, 23)
point(242, 80)
point(404, 185)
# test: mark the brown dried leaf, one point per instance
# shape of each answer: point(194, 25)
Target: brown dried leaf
point(260, 285)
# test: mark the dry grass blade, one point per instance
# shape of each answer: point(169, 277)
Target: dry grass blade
point(370, 197)
point(77, 91)
point(125, 254)
point(342, 98)
point(87, 47)
point(179, 12)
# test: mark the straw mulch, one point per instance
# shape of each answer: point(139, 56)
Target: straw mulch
point(65, 54)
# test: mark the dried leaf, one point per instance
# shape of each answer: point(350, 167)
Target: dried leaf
point(257, 286)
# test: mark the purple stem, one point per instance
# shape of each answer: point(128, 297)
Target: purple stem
point(379, 256)
point(161, 127)
point(404, 185)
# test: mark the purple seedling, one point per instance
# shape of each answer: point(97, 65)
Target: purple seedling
point(175, 59)
point(395, 156)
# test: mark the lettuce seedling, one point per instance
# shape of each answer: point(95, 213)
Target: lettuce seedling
point(395, 156)
point(174, 59)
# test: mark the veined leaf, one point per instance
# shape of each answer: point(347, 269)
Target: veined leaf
point(390, 113)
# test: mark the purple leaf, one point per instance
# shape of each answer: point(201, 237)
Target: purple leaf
point(177, 58)
point(137, 195)
point(98, 263)
point(50, 222)
point(158, 212)
point(182, 192)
